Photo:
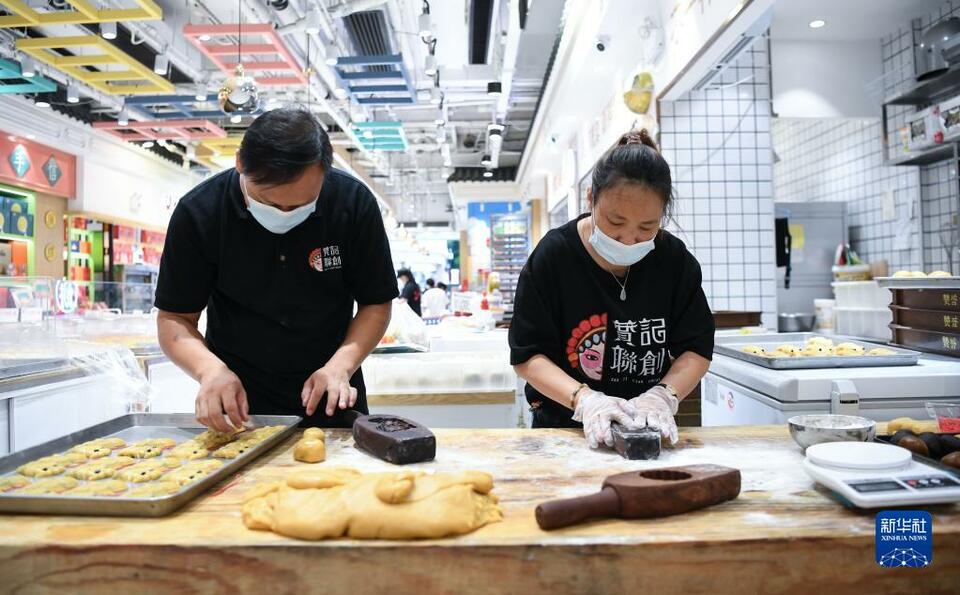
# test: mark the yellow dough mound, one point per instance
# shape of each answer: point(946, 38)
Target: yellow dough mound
point(789, 350)
point(881, 351)
point(820, 341)
point(754, 349)
point(396, 505)
point(817, 350)
point(939, 274)
point(849, 349)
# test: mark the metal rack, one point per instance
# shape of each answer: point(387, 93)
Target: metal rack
point(509, 248)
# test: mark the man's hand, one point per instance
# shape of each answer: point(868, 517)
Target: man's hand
point(221, 392)
point(333, 381)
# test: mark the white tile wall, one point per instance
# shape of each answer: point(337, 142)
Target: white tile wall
point(937, 184)
point(827, 160)
point(842, 160)
point(717, 141)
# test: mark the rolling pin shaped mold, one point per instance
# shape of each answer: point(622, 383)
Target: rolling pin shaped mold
point(394, 439)
point(645, 494)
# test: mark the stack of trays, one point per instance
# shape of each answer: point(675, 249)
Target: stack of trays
point(926, 314)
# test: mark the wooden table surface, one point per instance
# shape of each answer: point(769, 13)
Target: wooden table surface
point(782, 534)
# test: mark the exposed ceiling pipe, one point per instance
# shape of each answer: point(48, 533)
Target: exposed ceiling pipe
point(160, 36)
point(510, 50)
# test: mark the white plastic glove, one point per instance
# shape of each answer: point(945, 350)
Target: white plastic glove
point(596, 411)
point(655, 409)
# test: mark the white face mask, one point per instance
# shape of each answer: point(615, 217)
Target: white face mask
point(273, 219)
point(616, 253)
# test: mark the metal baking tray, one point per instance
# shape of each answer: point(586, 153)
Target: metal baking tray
point(918, 283)
point(15, 368)
point(730, 346)
point(133, 427)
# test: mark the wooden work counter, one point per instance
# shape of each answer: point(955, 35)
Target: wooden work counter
point(781, 535)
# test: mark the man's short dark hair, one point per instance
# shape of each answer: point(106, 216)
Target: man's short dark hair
point(281, 144)
point(405, 273)
point(442, 286)
point(431, 283)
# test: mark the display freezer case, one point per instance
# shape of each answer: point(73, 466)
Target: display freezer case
point(736, 392)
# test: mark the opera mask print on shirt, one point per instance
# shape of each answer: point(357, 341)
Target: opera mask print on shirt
point(586, 344)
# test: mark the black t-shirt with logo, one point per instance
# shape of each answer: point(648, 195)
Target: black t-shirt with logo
point(278, 305)
point(568, 309)
point(411, 293)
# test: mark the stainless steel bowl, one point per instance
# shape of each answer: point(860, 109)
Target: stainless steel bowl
point(796, 322)
point(808, 430)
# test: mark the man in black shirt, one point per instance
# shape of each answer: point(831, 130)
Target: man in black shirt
point(411, 291)
point(277, 250)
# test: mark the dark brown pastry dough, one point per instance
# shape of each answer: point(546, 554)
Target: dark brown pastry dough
point(952, 460)
point(933, 444)
point(915, 445)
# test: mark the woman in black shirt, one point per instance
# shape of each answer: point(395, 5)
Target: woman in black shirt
point(610, 320)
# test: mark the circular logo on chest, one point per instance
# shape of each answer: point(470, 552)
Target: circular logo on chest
point(316, 260)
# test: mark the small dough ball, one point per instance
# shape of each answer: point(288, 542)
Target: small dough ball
point(900, 423)
point(849, 349)
point(949, 444)
point(918, 275)
point(933, 444)
point(952, 460)
point(903, 274)
point(915, 445)
point(820, 341)
point(900, 435)
point(790, 350)
point(310, 451)
point(314, 434)
point(817, 350)
point(881, 351)
point(754, 349)
point(939, 274)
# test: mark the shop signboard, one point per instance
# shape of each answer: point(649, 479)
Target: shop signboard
point(34, 166)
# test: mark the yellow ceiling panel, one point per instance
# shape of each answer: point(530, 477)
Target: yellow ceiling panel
point(218, 153)
point(138, 79)
point(84, 13)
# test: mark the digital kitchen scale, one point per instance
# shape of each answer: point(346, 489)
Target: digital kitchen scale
point(875, 475)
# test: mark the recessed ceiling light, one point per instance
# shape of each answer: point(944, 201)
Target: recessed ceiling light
point(488, 174)
point(147, 145)
point(41, 103)
point(817, 23)
point(204, 37)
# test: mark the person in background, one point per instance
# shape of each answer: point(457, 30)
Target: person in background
point(277, 251)
point(610, 322)
point(410, 292)
point(443, 287)
point(435, 301)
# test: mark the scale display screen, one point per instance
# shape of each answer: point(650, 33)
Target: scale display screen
point(877, 486)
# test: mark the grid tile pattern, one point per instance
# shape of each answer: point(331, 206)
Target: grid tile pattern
point(936, 184)
point(717, 141)
point(841, 160)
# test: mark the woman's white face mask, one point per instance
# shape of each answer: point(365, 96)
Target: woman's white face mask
point(273, 219)
point(615, 252)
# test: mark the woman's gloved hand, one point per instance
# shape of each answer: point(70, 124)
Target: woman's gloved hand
point(596, 411)
point(655, 409)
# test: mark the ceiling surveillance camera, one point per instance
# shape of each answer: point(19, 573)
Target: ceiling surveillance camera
point(602, 43)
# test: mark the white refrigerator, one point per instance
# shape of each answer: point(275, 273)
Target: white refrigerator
point(736, 392)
